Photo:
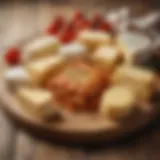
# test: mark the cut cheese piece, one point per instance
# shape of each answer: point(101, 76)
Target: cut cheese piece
point(118, 102)
point(40, 47)
point(140, 79)
point(37, 101)
point(93, 39)
point(16, 76)
point(41, 69)
point(131, 43)
point(107, 56)
point(73, 50)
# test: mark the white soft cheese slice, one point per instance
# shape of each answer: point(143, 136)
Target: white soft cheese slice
point(17, 76)
point(38, 101)
point(106, 55)
point(131, 43)
point(73, 50)
point(117, 102)
point(93, 39)
point(42, 68)
point(40, 47)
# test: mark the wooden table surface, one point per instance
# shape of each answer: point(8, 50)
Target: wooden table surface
point(21, 19)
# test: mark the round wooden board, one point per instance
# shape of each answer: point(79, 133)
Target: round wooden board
point(76, 127)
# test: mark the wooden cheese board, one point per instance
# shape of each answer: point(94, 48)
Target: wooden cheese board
point(74, 126)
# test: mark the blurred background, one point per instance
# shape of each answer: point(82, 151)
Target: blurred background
point(20, 19)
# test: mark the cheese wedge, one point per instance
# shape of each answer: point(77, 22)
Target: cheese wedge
point(131, 43)
point(41, 69)
point(93, 39)
point(107, 56)
point(37, 101)
point(118, 102)
point(73, 50)
point(140, 79)
point(40, 47)
point(16, 76)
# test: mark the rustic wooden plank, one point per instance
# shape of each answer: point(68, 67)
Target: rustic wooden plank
point(132, 149)
point(50, 151)
point(24, 146)
point(7, 138)
point(7, 129)
point(24, 26)
point(154, 145)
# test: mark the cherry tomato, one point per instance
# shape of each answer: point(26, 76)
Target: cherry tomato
point(78, 16)
point(106, 26)
point(12, 56)
point(96, 21)
point(67, 36)
point(56, 25)
point(84, 24)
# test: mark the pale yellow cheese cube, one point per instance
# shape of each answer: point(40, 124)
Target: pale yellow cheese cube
point(41, 69)
point(40, 47)
point(118, 102)
point(37, 101)
point(142, 80)
point(107, 56)
point(93, 39)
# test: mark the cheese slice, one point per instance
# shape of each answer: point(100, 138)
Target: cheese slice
point(37, 101)
point(107, 56)
point(73, 50)
point(16, 76)
point(131, 43)
point(41, 69)
point(118, 102)
point(140, 79)
point(93, 39)
point(40, 47)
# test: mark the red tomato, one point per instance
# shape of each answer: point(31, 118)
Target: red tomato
point(96, 21)
point(67, 36)
point(12, 56)
point(106, 26)
point(84, 24)
point(98, 17)
point(56, 25)
point(78, 16)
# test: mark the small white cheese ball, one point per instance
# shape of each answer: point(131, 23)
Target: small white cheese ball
point(40, 47)
point(130, 43)
point(17, 76)
point(73, 50)
point(118, 102)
